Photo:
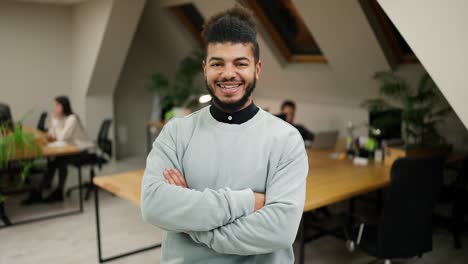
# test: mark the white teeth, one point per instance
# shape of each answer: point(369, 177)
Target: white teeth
point(228, 86)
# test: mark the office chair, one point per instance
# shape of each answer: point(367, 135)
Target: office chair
point(5, 117)
point(41, 125)
point(459, 207)
point(405, 227)
point(99, 158)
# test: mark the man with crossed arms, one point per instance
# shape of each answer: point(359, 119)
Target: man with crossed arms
point(227, 183)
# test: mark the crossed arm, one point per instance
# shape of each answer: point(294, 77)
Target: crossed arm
point(227, 221)
point(271, 228)
point(180, 209)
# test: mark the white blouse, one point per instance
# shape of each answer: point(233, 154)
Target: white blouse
point(70, 130)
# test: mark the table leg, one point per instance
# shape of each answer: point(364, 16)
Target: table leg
point(301, 241)
point(42, 218)
point(98, 233)
point(148, 139)
point(3, 215)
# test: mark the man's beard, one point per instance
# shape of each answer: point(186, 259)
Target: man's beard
point(232, 107)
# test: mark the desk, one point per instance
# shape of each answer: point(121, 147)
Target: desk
point(46, 152)
point(126, 186)
point(329, 181)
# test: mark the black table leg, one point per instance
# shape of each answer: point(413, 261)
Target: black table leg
point(41, 218)
point(148, 139)
point(98, 233)
point(301, 241)
point(3, 215)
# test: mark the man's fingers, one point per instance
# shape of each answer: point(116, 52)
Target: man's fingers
point(175, 178)
point(168, 177)
point(180, 178)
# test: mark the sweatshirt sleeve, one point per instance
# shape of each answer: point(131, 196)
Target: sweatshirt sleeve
point(69, 127)
point(274, 226)
point(180, 209)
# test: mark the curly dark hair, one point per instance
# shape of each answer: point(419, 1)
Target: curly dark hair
point(234, 25)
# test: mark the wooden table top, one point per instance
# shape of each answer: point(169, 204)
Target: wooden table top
point(46, 151)
point(125, 185)
point(329, 181)
point(332, 180)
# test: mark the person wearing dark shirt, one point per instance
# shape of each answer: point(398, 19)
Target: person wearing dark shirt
point(288, 111)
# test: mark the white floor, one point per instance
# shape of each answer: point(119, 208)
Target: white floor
point(72, 239)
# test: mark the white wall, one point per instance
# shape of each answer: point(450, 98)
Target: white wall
point(159, 44)
point(103, 32)
point(328, 95)
point(90, 20)
point(319, 117)
point(436, 32)
point(35, 56)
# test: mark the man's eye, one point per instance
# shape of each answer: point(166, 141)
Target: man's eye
point(216, 64)
point(243, 64)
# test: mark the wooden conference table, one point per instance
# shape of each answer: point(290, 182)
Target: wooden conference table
point(329, 181)
point(47, 151)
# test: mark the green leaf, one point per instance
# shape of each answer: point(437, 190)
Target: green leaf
point(179, 90)
point(27, 167)
point(377, 104)
point(391, 85)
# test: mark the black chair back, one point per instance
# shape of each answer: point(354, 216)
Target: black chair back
point(103, 141)
point(41, 125)
point(5, 116)
point(406, 225)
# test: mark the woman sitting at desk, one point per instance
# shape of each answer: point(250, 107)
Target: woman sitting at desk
point(66, 127)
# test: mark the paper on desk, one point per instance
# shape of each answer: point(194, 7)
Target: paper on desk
point(57, 144)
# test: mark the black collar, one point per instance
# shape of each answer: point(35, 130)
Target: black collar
point(237, 118)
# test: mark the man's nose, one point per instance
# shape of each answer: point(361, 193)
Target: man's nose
point(229, 72)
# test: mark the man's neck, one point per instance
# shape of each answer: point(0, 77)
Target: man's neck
point(249, 102)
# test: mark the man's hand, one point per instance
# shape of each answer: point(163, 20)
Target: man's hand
point(174, 177)
point(259, 201)
point(50, 137)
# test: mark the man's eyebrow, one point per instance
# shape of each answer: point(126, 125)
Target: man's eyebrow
point(241, 58)
point(221, 59)
point(216, 58)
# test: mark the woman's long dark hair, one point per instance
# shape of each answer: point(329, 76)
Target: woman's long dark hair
point(65, 102)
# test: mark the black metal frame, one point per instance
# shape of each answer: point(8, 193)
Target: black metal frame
point(98, 233)
point(8, 222)
point(301, 234)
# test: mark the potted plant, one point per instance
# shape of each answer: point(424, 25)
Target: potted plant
point(17, 145)
point(177, 93)
point(421, 107)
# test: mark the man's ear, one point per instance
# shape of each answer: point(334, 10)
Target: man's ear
point(258, 69)
point(204, 67)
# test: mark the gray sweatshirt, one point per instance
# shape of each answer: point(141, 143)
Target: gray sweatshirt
point(213, 221)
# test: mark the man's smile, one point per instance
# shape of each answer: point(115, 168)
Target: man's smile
point(229, 88)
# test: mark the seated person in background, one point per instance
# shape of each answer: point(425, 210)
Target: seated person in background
point(64, 126)
point(288, 112)
point(288, 109)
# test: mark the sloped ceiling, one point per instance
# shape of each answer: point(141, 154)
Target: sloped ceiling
point(436, 31)
point(346, 39)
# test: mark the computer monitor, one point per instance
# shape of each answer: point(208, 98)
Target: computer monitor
point(388, 121)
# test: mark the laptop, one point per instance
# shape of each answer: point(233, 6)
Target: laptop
point(324, 140)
